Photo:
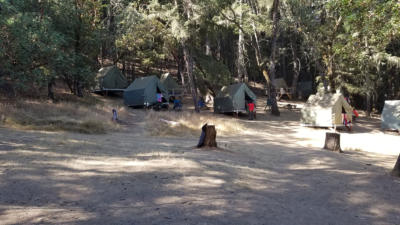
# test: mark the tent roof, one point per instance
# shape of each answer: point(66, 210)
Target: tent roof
point(104, 70)
point(229, 90)
point(233, 89)
point(168, 81)
point(324, 101)
point(325, 110)
point(143, 82)
point(111, 77)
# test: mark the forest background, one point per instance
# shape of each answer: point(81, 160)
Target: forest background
point(351, 45)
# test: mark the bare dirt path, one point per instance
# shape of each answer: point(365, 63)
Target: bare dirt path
point(274, 172)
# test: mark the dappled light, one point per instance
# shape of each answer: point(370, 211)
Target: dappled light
point(271, 173)
point(186, 112)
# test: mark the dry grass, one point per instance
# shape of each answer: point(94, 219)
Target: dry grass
point(84, 115)
point(188, 124)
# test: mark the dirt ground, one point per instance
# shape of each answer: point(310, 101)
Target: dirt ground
point(274, 172)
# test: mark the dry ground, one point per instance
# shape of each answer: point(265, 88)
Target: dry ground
point(271, 172)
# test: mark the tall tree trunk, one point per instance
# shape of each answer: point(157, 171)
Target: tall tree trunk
point(368, 104)
point(207, 45)
point(256, 45)
point(189, 70)
point(219, 49)
point(111, 33)
point(77, 51)
point(296, 69)
point(272, 69)
point(181, 65)
point(50, 91)
point(241, 67)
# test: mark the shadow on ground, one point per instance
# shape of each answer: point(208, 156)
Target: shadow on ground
point(125, 179)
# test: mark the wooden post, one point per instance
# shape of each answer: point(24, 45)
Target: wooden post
point(396, 169)
point(332, 142)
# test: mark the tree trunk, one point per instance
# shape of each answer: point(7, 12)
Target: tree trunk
point(208, 138)
point(396, 169)
point(77, 51)
point(208, 45)
point(296, 70)
point(368, 104)
point(241, 67)
point(189, 70)
point(332, 142)
point(181, 65)
point(323, 75)
point(272, 70)
point(50, 91)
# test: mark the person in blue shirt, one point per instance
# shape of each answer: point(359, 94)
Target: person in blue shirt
point(177, 104)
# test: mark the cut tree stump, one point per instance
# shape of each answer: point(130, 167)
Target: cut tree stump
point(209, 138)
point(332, 142)
point(396, 169)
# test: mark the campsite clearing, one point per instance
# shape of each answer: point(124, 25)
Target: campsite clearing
point(273, 170)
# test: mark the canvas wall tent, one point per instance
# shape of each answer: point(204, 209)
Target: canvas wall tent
point(111, 79)
point(325, 110)
point(391, 115)
point(144, 91)
point(233, 98)
point(171, 85)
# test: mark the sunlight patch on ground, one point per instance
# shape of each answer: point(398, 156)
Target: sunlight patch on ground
point(201, 181)
point(15, 215)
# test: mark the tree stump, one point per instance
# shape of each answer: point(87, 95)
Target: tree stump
point(208, 137)
point(396, 169)
point(332, 142)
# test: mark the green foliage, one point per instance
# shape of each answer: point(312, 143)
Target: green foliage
point(211, 74)
point(45, 40)
point(353, 45)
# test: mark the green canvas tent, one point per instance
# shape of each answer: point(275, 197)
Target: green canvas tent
point(111, 79)
point(143, 91)
point(169, 83)
point(325, 110)
point(391, 115)
point(233, 98)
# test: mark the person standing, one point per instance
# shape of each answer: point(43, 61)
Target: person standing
point(251, 108)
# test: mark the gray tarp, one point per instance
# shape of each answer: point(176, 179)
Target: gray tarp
point(144, 91)
point(391, 115)
point(325, 110)
point(233, 98)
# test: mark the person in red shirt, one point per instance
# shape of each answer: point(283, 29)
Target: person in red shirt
point(251, 107)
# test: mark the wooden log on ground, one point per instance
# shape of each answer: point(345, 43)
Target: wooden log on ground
point(396, 169)
point(332, 142)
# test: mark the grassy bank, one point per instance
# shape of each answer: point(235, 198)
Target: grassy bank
point(89, 115)
point(188, 124)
